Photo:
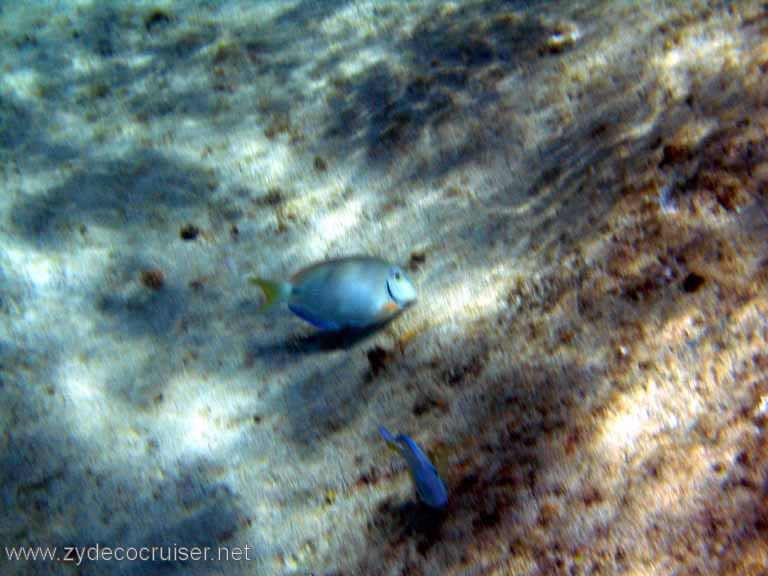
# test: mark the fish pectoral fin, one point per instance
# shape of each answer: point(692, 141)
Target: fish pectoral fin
point(389, 309)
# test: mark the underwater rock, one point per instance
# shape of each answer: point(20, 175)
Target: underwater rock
point(189, 232)
point(153, 278)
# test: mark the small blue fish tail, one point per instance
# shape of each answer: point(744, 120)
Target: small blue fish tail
point(388, 438)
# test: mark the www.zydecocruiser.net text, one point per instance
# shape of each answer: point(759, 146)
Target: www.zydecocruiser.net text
point(79, 554)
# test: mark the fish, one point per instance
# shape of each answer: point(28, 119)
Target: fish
point(353, 292)
point(429, 485)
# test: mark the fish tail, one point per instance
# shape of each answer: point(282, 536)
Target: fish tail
point(274, 292)
point(389, 439)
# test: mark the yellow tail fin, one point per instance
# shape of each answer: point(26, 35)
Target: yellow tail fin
point(274, 292)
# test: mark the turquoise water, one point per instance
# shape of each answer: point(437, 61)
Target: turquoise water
point(155, 155)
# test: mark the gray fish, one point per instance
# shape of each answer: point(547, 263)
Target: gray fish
point(352, 292)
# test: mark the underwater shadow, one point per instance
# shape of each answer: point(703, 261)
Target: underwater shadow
point(331, 341)
point(504, 451)
point(528, 423)
point(326, 401)
point(479, 124)
point(523, 428)
point(546, 200)
point(306, 13)
point(131, 195)
point(165, 322)
point(62, 488)
point(191, 509)
point(456, 61)
point(315, 342)
point(162, 44)
point(23, 129)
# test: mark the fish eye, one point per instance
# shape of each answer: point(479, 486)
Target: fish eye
point(398, 276)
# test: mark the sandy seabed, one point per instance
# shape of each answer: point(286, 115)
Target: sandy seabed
point(578, 190)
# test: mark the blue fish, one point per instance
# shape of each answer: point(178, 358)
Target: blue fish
point(429, 486)
point(353, 292)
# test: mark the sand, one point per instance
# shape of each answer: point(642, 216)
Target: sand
point(578, 190)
